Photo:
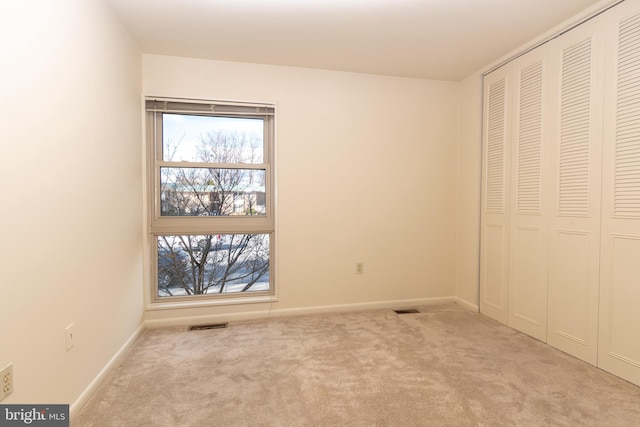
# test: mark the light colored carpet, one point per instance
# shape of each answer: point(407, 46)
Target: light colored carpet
point(445, 366)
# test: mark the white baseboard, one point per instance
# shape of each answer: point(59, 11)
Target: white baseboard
point(467, 304)
point(261, 314)
point(88, 392)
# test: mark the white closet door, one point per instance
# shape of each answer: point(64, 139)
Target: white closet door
point(574, 237)
point(619, 340)
point(494, 240)
point(528, 235)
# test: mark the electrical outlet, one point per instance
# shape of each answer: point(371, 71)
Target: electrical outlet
point(360, 268)
point(6, 381)
point(69, 336)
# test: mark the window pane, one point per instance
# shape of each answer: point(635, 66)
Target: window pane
point(212, 192)
point(212, 264)
point(188, 138)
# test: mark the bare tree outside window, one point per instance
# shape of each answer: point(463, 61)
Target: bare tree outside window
point(232, 185)
point(210, 264)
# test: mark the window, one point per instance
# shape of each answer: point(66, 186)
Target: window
point(211, 204)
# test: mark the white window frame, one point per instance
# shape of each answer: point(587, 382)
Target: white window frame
point(158, 225)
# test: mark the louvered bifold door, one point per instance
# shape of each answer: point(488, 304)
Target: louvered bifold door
point(619, 339)
point(494, 239)
point(528, 235)
point(574, 236)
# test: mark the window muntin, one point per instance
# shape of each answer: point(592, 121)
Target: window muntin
point(211, 212)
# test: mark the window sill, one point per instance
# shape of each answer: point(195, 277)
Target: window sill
point(208, 302)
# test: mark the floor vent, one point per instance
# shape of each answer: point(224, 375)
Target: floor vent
point(407, 311)
point(208, 326)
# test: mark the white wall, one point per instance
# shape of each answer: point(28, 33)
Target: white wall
point(468, 191)
point(70, 191)
point(366, 170)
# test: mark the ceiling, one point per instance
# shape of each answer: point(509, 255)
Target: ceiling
point(430, 39)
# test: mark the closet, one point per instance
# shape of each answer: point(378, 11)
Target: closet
point(560, 225)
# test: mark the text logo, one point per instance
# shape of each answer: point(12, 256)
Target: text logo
point(34, 415)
